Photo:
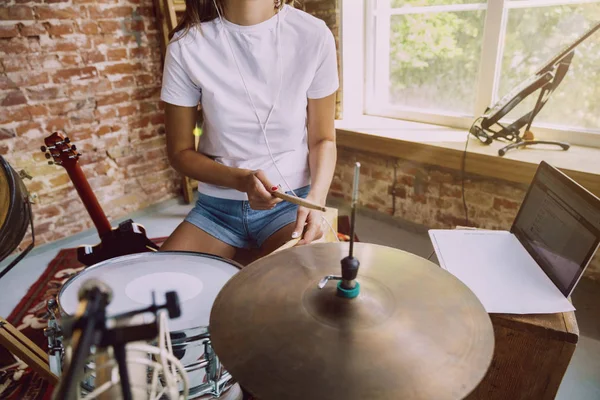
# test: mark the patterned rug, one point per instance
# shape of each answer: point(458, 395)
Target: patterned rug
point(17, 381)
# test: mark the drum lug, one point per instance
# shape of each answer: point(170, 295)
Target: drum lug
point(24, 175)
point(54, 335)
point(213, 368)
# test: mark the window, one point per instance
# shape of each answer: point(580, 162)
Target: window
point(445, 61)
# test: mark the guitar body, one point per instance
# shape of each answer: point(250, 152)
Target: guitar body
point(127, 238)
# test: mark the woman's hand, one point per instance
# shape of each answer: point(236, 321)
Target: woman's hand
point(256, 185)
point(312, 219)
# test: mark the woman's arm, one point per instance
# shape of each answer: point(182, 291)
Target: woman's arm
point(322, 159)
point(179, 123)
point(321, 146)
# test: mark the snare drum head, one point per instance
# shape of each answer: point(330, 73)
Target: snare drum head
point(197, 279)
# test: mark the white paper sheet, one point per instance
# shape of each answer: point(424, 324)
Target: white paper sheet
point(498, 269)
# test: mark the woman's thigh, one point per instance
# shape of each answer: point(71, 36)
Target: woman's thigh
point(277, 239)
point(188, 237)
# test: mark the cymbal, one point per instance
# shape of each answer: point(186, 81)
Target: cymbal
point(413, 332)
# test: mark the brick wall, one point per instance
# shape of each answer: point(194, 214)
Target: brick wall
point(328, 11)
point(91, 69)
point(430, 196)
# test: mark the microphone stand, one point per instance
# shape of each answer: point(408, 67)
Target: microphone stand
point(546, 80)
point(90, 323)
point(90, 329)
point(118, 337)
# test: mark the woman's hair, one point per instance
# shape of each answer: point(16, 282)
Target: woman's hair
point(197, 11)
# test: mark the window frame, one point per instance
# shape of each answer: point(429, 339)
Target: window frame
point(361, 75)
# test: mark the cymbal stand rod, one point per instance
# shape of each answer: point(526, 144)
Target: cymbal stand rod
point(353, 212)
point(348, 287)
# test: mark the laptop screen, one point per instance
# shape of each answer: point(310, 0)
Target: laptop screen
point(559, 225)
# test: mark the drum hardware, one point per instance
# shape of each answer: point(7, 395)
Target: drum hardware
point(89, 328)
point(196, 278)
point(25, 175)
point(89, 322)
point(410, 330)
point(54, 334)
point(215, 382)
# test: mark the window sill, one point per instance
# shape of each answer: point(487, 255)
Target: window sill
point(443, 146)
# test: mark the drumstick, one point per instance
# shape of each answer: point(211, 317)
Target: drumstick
point(297, 200)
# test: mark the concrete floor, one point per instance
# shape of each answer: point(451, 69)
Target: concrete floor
point(581, 382)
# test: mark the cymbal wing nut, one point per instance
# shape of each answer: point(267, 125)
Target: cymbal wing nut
point(326, 279)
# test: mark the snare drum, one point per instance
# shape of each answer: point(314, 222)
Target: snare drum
point(197, 279)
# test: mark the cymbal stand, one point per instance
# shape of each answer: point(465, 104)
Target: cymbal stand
point(347, 286)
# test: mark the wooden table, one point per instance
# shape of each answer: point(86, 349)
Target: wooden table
point(531, 355)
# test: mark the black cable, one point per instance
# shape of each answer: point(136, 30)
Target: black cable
point(462, 172)
point(432, 253)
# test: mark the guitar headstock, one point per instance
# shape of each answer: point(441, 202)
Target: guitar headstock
point(59, 148)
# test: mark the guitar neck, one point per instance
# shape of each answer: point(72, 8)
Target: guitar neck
point(89, 200)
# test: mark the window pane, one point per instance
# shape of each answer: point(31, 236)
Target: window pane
point(422, 3)
point(533, 36)
point(434, 60)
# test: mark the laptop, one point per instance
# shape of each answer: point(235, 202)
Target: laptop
point(534, 267)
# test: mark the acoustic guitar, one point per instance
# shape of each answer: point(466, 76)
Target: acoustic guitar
point(127, 238)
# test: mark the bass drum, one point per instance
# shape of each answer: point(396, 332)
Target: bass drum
point(14, 217)
point(197, 279)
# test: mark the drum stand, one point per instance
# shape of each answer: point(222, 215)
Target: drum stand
point(89, 329)
point(19, 345)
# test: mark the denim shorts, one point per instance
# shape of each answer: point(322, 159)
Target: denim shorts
point(235, 223)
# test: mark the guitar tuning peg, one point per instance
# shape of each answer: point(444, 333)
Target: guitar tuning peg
point(47, 155)
point(50, 162)
point(73, 147)
point(78, 154)
point(67, 140)
point(43, 149)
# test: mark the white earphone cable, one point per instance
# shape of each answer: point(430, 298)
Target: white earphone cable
point(263, 127)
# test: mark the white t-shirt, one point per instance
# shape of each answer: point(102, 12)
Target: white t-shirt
point(199, 67)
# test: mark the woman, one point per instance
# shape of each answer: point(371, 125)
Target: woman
point(266, 75)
